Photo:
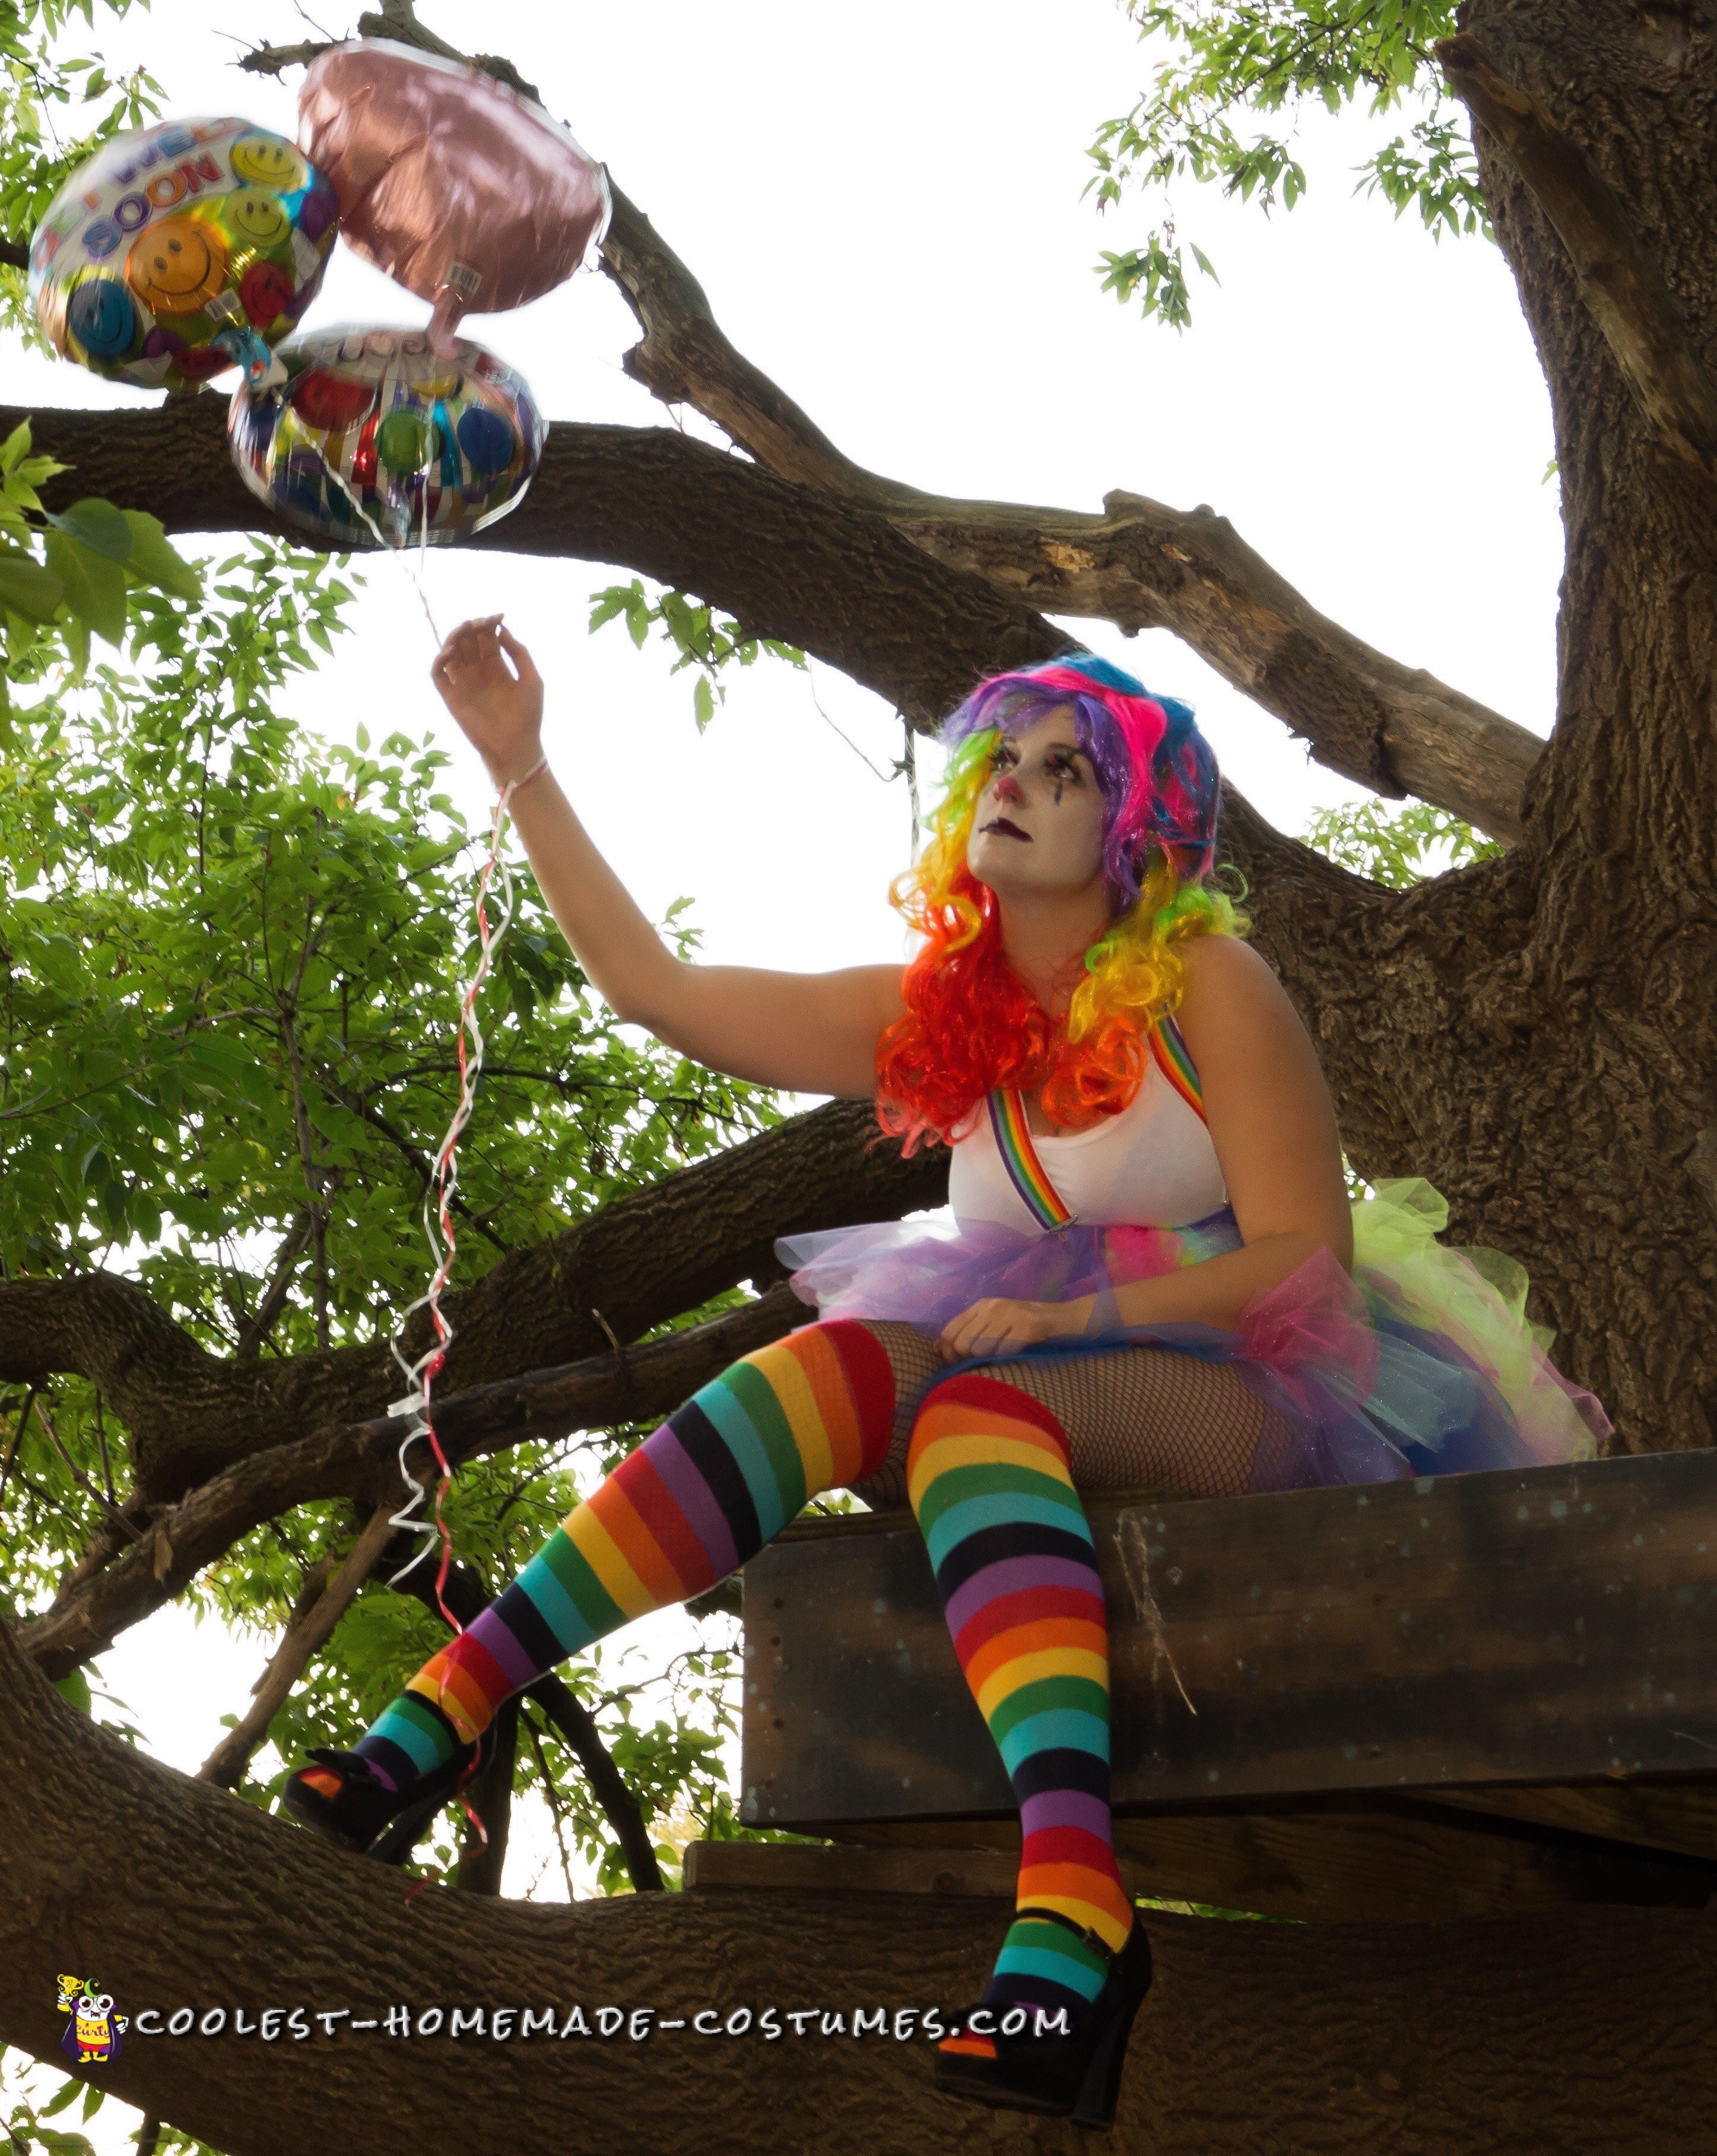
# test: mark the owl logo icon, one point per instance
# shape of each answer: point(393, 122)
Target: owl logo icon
point(93, 2034)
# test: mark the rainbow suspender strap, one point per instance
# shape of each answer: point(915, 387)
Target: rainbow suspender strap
point(1026, 1172)
point(1176, 1065)
point(1019, 1156)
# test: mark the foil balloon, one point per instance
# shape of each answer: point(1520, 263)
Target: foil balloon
point(180, 250)
point(377, 440)
point(465, 192)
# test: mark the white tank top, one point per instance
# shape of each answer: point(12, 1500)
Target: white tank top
point(1152, 1166)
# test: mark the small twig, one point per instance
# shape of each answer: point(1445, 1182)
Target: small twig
point(908, 765)
point(82, 1480)
point(101, 1447)
point(576, 1727)
point(359, 1103)
point(258, 1326)
point(312, 1177)
point(107, 1542)
point(888, 777)
point(552, 1792)
point(572, 1723)
point(17, 1440)
point(226, 1764)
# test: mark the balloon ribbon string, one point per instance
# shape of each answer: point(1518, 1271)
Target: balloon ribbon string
point(441, 1234)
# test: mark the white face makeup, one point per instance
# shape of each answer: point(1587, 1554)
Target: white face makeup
point(1038, 829)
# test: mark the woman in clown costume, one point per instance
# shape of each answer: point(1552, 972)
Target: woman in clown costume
point(1151, 1274)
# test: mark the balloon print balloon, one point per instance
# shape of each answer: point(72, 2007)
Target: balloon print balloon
point(180, 250)
point(464, 192)
point(378, 439)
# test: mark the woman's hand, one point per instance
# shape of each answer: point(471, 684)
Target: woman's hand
point(998, 1326)
point(499, 707)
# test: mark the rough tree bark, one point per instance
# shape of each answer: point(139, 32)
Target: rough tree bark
point(1535, 1034)
point(1587, 2034)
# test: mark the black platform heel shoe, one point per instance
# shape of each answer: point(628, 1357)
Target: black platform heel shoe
point(1077, 2076)
point(366, 1814)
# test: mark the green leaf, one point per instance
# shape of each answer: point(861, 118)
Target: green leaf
point(77, 644)
point(27, 586)
point(98, 526)
point(152, 561)
point(67, 2097)
point(703, 702)
point(74, 1688)
point(95, 584)
point(94, 2097)
point(214, 1053)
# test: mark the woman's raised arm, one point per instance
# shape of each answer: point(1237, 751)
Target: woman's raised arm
point(808, 1033)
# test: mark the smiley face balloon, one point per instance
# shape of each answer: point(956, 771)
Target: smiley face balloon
point(378, 439)
point(180, 250)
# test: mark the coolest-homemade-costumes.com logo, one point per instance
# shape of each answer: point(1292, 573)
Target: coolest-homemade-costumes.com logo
point(92, 2035)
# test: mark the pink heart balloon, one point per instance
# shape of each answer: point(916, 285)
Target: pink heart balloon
point(468, 194)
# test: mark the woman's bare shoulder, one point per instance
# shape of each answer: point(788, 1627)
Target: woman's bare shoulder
point(1239, 1021)
point(1218, 970)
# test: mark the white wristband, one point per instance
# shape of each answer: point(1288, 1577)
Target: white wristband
point(518, 785)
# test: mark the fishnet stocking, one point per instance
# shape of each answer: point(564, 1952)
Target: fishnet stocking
point(1135, 1418)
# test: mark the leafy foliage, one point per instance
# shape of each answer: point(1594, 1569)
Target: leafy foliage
point(1230, 63)
point(229, 958)
point(1398, 846)
point(701, 638)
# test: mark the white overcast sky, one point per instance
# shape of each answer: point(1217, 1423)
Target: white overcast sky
point(884, 206)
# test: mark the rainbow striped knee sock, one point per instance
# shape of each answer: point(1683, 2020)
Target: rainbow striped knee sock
point(720, 1478)
point(988, 1474)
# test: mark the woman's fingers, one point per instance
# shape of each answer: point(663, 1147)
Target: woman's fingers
point(469, 644)
point(987, 1328)
point(524, 665)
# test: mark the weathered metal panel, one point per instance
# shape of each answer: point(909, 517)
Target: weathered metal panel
point(1550, 1625)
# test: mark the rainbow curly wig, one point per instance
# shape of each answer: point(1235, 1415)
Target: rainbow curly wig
point(971, 1026)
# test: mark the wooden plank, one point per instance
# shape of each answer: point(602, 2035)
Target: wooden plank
point(804, 1867)
point(1408, 1866)
point(1651, 1817)
point(1547, 1626)
point(1414, 1865)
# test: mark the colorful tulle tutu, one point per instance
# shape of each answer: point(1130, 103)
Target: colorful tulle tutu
point(1422, 1363)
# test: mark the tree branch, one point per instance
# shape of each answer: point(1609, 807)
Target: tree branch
point(225, 1766)
point(788, 561)
point(683, 357)
point(1621, 286)
point(261, 1323)
point(644, 1260)
point(570, 1720)
point(1139, 564)
point(1403, 2035)
point(1142, 565)
point(489, 1794)
point(397, 22)
point(360, 1460)
point(913, 596)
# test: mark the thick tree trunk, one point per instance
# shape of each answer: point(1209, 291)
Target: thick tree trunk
point(1591, 1122)
point(1586, 2034)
